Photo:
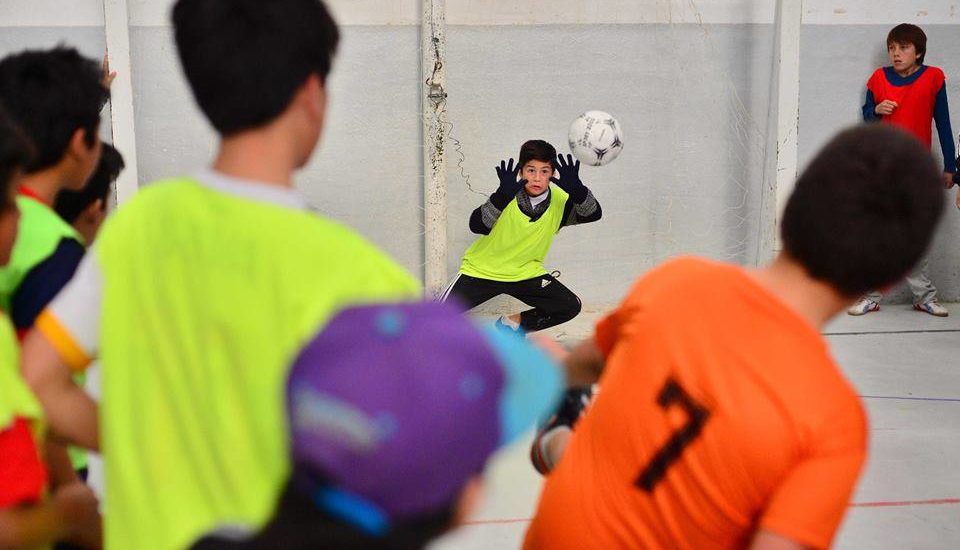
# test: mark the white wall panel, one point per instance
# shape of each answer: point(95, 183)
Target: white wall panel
point(881, 12)
point(51, 13)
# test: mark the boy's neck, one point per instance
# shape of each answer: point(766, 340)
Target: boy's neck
point(814, 300)
point(907, 72)
point(258, 156)
point(45, 184)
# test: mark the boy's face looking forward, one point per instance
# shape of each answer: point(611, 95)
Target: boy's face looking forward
point(538, 174)
point(903, 57)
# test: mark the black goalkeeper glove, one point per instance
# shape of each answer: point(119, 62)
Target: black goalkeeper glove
point(509, 185)
point(569, 180)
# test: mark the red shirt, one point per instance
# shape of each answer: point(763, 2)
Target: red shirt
point(23, 477)
point(915, 98)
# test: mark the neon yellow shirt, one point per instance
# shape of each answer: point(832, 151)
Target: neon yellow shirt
point(39, 232)
point(16, 399)
point(516, 247)
point(206, 299)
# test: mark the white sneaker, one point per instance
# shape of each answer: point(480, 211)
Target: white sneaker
point(508, 326)
point(933, 308)
point(863, 306)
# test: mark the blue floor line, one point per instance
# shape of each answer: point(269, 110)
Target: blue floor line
point(946, 399)
point(870, 332)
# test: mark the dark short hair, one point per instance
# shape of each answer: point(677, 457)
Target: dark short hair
point(70, 204)
point(15, 153)
point(905, 33)
point(51, 94)
point(245, 59)
point(298, 518)
point(865, 209)
point(537, 149)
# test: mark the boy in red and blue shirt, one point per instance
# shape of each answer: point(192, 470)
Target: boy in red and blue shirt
point(908, 94)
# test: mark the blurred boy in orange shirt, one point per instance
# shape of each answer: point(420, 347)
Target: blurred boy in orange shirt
point(722, 420)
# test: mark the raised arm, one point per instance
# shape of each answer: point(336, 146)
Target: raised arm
point(582, 206)
point(486, 215)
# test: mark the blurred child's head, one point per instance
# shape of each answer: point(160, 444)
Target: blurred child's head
point(394, 411)
point(86, 209)
point(252, 64)
point(55, 96)
point(906, 46)
point(537, 160)
point(15, 155)
point(864, 210)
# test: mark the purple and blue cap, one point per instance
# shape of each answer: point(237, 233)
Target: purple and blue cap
point(396, 407)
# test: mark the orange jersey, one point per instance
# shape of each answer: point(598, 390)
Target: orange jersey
point(720, 411)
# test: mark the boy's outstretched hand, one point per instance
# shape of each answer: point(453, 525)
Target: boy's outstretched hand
point(885, 107)
point(509, 185)
point(949, 179)
point(569, 180)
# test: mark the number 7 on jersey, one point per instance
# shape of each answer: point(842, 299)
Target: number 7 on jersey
point(672, 392)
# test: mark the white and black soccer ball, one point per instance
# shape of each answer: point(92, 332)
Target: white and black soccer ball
point(595, 138)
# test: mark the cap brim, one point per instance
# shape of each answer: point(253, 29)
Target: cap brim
point(533, 383)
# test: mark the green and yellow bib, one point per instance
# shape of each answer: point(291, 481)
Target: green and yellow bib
point(207, 299)
point(516, 247)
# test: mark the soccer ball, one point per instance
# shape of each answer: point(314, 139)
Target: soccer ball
point(595, 138)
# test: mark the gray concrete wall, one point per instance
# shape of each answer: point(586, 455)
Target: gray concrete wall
point(366, 172)
point(835, 63)
point(686, 184)
point(692, 102)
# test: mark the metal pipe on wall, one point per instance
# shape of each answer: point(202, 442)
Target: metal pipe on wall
point(433, 46)
point(116, 24)
point(783, 125)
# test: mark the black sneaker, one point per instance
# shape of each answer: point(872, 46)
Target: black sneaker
point(574, 402)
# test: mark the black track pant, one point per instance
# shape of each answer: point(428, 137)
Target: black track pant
point(552, 302)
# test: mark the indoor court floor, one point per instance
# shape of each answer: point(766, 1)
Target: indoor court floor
point(906, 366)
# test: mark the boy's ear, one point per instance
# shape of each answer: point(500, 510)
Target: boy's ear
point(94, 211)
point(97, 206)
point(78, 146)
point(314, 94)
